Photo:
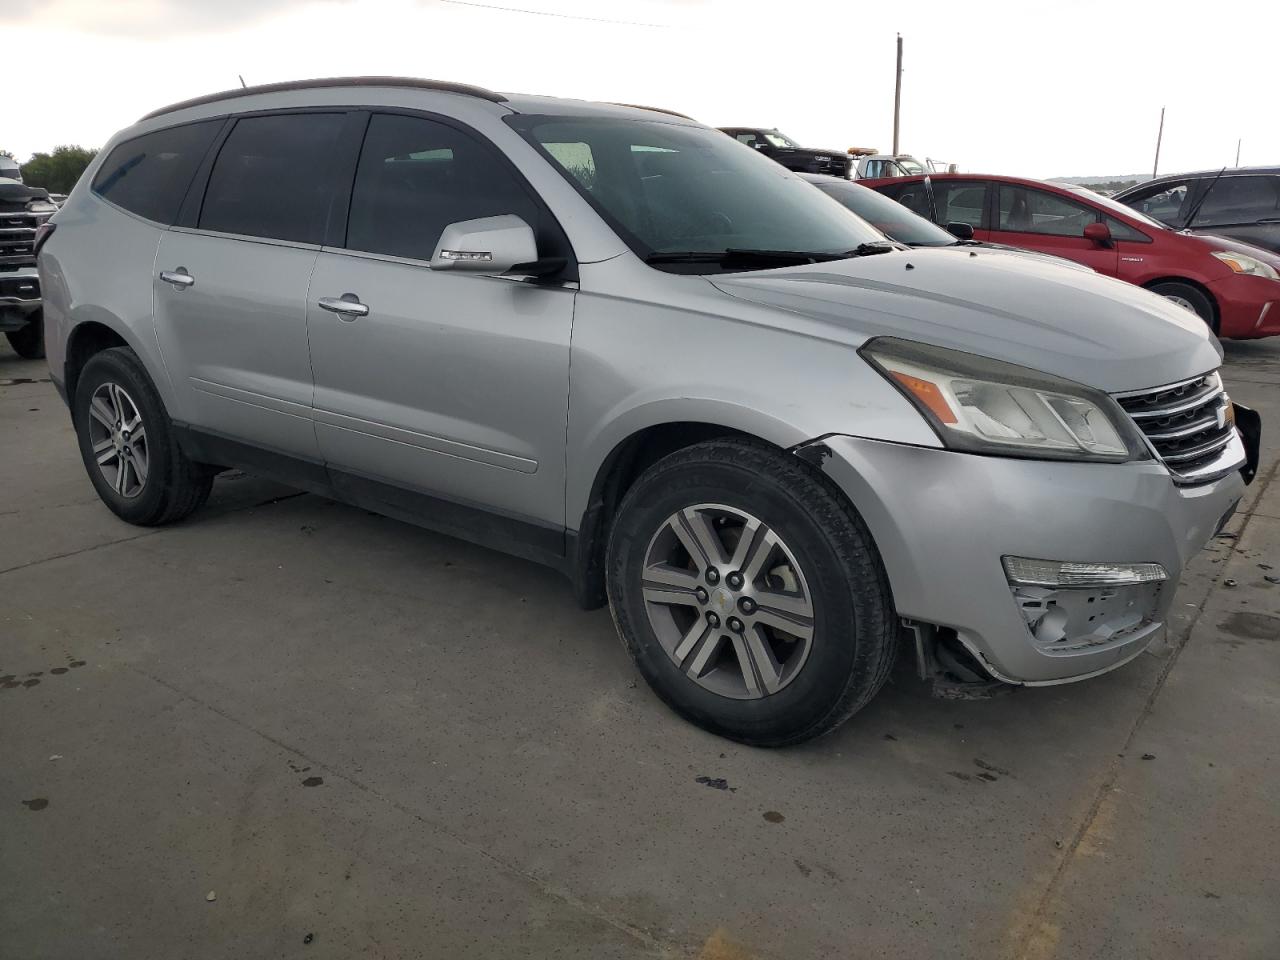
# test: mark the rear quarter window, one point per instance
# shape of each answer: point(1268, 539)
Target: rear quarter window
point(149, 175)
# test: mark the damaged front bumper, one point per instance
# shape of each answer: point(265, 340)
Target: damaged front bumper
point(947, 522)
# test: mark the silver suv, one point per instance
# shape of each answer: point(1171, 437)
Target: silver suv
point(618, 342)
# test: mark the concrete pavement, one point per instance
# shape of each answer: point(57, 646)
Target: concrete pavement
point(369, 740)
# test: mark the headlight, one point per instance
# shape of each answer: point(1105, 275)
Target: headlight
point(1243, 263)
point(988, 406)
point(42, 206)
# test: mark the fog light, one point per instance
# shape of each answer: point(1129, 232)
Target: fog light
point(1057, 573)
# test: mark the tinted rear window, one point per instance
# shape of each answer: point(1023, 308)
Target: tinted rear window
point(149, 175)
point(272, 177)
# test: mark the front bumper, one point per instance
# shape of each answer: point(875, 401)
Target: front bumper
point(1248, 307)
point(19, 297)
point(942, 521)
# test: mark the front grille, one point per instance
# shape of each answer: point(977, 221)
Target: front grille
point(18, 237)
point(1189, 427)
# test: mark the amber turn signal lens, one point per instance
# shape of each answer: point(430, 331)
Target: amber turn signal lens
point(928, 394)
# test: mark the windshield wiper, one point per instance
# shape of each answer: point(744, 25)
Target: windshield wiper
point(1195, 211)
point(740, 255)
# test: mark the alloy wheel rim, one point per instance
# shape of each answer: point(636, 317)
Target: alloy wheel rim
point(118, 439)
point(728, 601)
point(1182, 302)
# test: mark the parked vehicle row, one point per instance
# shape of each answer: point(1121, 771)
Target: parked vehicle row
point(22, 210)
point(776, 145)
point(1232, 286)
point(772, 439)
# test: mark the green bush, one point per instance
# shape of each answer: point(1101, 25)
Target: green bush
point(58, 171)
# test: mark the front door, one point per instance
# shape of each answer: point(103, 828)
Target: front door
point(230, 294)
point(1049, 223)
point(453, 385)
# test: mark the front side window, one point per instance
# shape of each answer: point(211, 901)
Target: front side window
point(959, 201)
point(779, 139)
point(149, 175)
point(273, 177)
point(416, 176)
point(668, 188)
point(1024, 210)
point(1235, 200)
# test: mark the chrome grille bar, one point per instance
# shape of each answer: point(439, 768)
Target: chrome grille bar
point(1189, 427)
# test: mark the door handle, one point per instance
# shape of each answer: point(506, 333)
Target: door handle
point(347, 306)
point(179, 279)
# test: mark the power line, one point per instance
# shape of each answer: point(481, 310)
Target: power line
point(548, 13)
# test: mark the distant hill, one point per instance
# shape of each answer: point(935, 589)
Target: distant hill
point(1090, 181)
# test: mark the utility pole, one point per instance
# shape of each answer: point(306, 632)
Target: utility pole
point(1238, 152)
point(1159, 136)
point(897, 96)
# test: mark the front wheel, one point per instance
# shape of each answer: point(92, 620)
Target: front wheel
point(28, 342)
point(128, 446)
point(1190, 298)
point(749, 594)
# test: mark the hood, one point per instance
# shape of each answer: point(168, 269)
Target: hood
point(1079, 325)
point(15, 190)
point(990, 247)
point(1236, 246)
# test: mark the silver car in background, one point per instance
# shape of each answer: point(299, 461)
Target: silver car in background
point(618, 342)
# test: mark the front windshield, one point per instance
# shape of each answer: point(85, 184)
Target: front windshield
point(779, 139)
point(673, 188)
point(888, 216)
point(1117, 206)
point(911, 166)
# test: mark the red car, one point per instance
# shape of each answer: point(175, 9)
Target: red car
point(1233, 286)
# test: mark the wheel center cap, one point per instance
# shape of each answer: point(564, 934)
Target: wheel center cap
point(722, 599)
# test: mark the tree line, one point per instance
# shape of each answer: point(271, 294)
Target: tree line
point(58, 170)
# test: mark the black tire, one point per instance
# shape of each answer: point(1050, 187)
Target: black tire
point(1188, 294)
point(855, 631)
point(174, 485)
point(28, 342)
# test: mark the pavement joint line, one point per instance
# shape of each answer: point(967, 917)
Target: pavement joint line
point(1033, 926)
point(659, 947)
point(214, 512)
point(76, 553)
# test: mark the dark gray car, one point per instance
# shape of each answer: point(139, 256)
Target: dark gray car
point(1243, 204)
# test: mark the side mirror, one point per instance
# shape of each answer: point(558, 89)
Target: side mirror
point(1099, 233)
point(961, 231)
point(489, 245)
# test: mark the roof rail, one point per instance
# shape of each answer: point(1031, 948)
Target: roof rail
point(411, 82)
point(670, 113)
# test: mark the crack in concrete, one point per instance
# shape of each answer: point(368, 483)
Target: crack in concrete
point(661, 948)
point(76, 553)
point(1034, 944)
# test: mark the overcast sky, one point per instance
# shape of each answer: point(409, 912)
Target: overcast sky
point(1032, 88)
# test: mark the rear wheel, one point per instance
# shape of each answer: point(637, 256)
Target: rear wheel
point(1189, 297)
point(29, 341)
point(749, 594)
point(127, 443)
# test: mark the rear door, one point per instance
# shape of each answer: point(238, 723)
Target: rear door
point(230, 290)
point(1049, 223)
point(453, 384)
point(1244, 208)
